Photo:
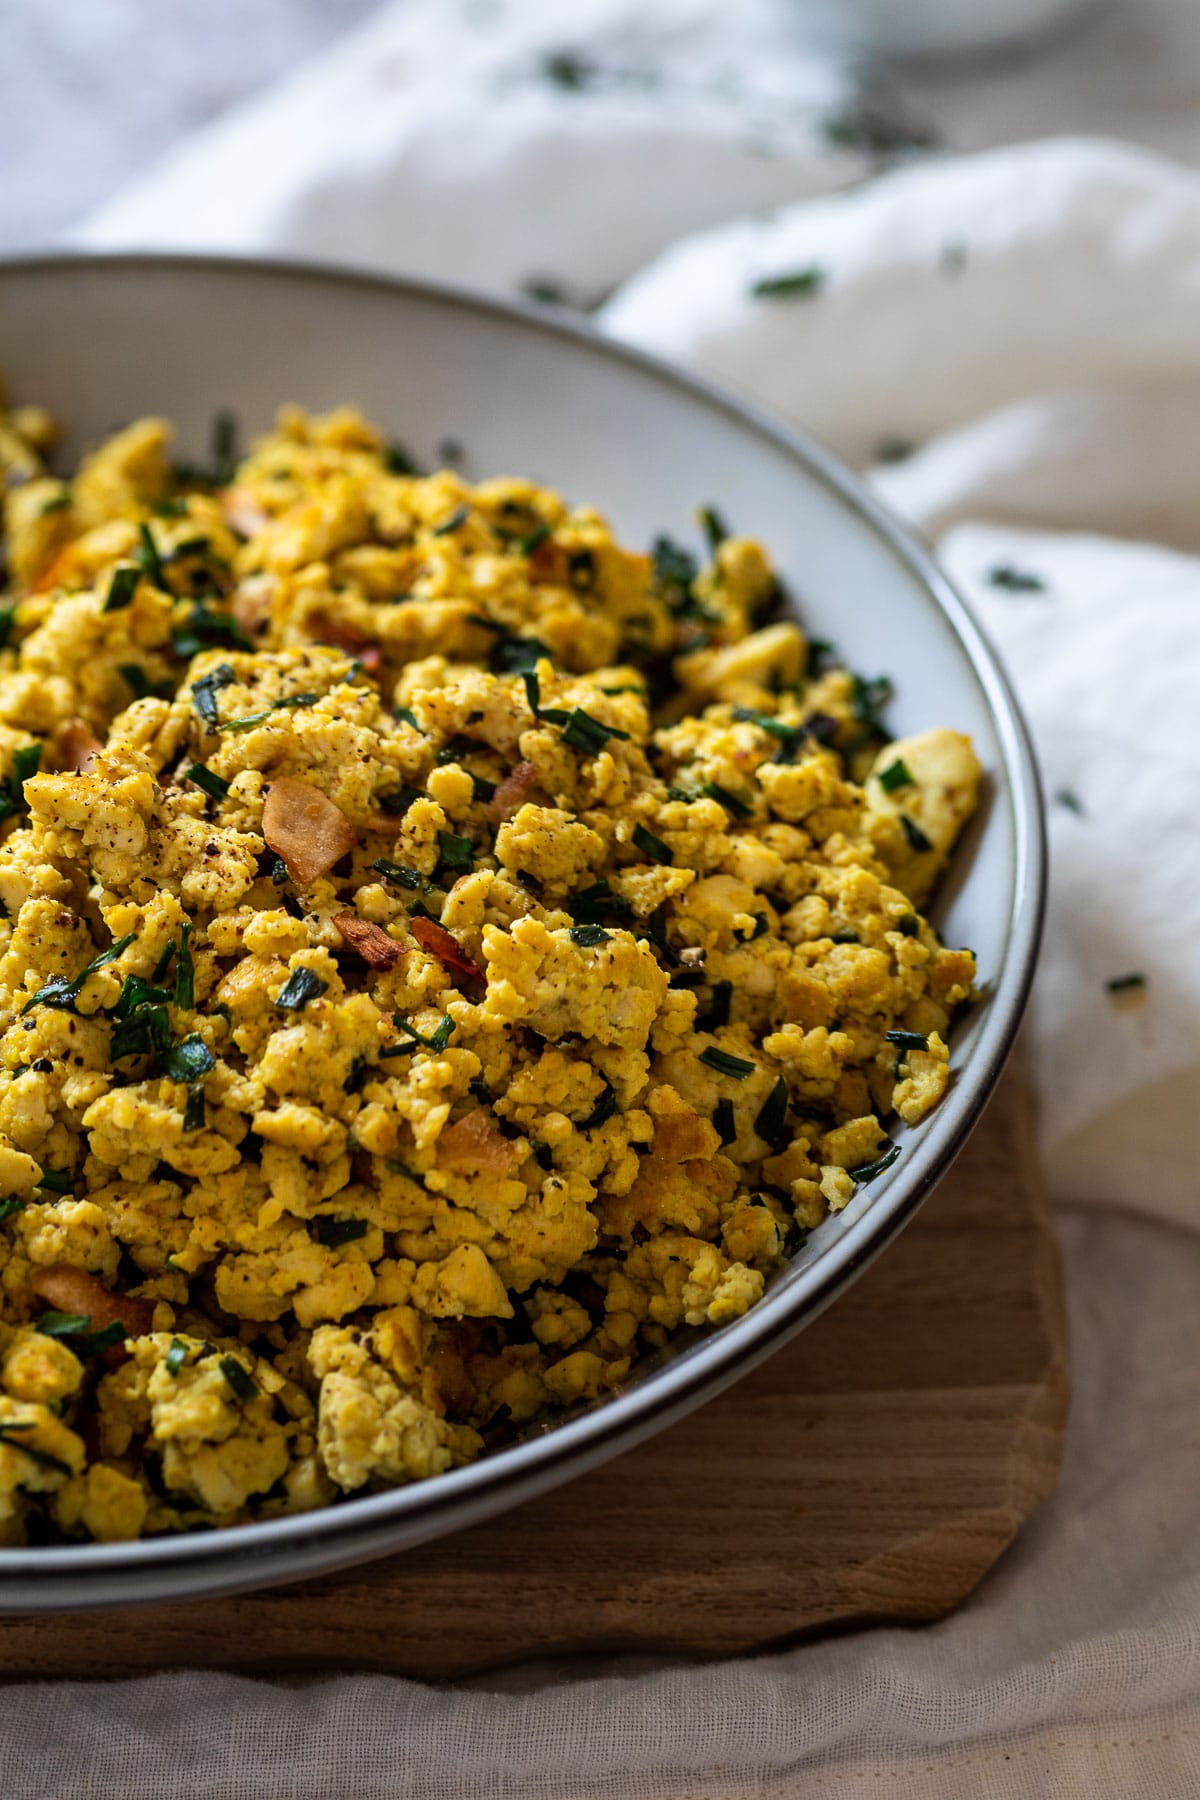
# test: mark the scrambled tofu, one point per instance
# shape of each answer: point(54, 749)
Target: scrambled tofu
point(443, 954)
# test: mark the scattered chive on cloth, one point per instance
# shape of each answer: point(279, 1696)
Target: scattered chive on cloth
point(1006, 335)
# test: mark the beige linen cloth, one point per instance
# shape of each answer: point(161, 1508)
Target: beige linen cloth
point(1026, 321)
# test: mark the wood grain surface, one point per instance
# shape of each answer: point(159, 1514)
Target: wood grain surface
point(873, 1470)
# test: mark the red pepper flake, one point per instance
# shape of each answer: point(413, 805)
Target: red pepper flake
point(436, 941)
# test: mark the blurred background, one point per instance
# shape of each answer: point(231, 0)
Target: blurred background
point(95, 93)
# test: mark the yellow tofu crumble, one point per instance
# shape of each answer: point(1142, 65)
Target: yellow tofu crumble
point(444, 954)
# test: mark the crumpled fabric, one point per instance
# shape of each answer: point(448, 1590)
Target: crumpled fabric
point(1007, 343)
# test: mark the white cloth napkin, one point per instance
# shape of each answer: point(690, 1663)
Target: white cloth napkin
point(1025, 322)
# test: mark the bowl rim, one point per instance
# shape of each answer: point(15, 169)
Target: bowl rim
point(235, 1557)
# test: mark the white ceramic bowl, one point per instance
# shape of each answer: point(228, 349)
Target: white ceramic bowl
point(101, 340)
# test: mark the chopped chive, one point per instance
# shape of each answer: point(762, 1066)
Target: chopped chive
point(62, 1324)
point(1015, 581)
point(335, 1232)
point(535, 540)
point(653, 846)
point(771, 1122)
point(185, 972)
point(203, 777)
point(176, 1356)
point(603, 1110)
point(58, 1181)
point(455, 853)
point(7, 618)
point(398, 803)
point(732, 804)
point(407, 717)
point(61, 993)
point(164, 962)
point(224, 447)
point(121, 588)
point(714, 528)
point(518, 655)
point(458, 517)
point(148, 558)
point(205, 628)
point(399, 460)
point(917, 841)
point(42, 1458)
point(188, 1060)
point(718, 1007)
point(845, 937)
point(796, 284)
point(867, 698)
point(584, 733)
point(1124, 984)
point(194, 1116)
point(239, 1378)
point(868, 1171)
point(588, 936)
point(11, 1206)
point(437, 1040)
point(252, 719)
point(301, 986)
point(909, 925)
point(1070, 799)
point(725, 1064)
point(399, 873)
point(896, 775)
point(908, 1040)
point(142, 1033)
point(724, 1122)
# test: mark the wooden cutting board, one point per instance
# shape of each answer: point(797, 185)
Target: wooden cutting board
point(874, 1470)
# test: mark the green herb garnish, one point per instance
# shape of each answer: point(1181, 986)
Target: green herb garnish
point(188, 1060)
point(917, 841)
point(58, 1181)
point(771, 1122)
point(301, 986)
point(796, 284)
point(176, 1356)
point(140, 684)
point(335, 1232)
point(239, 1378)
point(714, 528)
point(1124, 984)
point(739, 809)
point(1015, 581)
point(399, 873)
point(185, 972)
point(41, 1457)
point(458, 517)
point(868, 1171)
point(725, 1064)
point(537, 537)
point(61, 993)
point(584, 733)
point(724, 1122)
point(122, 587)
point(455, 853)
point(203, 777)
point(908, 1040)
point(718, 1007)
point(63, 1324)
point(399, 460)
point(603, 1110)
point(194, 1115)
point(588, 935)
point(437, 1039)
point(652, 846)
point(7, 617)
point(251, 719)
point(1070, 799)
point(25, 765)
point(148, 559)
point(896, 775)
